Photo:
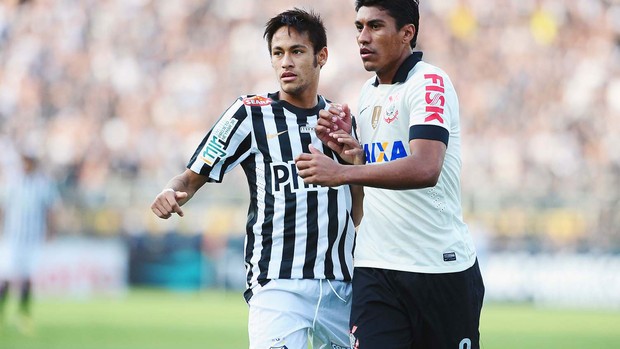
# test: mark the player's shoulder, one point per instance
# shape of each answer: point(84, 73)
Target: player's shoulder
point(424, 68)
point(424, 74)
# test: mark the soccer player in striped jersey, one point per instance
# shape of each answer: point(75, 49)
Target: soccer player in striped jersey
point(299, 237)
point(416, 280)
point(30, 202)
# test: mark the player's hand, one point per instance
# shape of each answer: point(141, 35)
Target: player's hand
point(318, 168)
point(337, 117)
point(167, 202)
point(347, 147)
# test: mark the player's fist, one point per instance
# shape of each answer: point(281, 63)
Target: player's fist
point(167, 202)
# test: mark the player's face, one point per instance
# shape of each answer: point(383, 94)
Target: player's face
point(297, 67)
point(381, 43)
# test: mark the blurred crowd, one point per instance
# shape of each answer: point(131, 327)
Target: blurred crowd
point(113, 96)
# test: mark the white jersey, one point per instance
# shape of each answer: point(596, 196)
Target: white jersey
point(420, 230)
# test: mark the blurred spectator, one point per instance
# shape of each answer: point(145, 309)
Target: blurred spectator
point(97, 82)
point(29, 206)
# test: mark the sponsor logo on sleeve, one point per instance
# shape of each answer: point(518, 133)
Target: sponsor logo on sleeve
point(215, 147)
point(435, 98)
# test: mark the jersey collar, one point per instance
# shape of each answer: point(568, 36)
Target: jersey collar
point(403, 71)
point(297, 110)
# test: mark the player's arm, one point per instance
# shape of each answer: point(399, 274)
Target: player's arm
point(177, 192)
point(420, 169)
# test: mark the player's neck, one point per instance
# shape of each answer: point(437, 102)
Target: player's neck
point(305, 100)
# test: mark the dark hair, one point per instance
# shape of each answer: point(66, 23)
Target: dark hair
point(403, 11)
point(303, 22)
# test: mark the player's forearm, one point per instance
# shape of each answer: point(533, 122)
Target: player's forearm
point(186, 182)
point(401, 174)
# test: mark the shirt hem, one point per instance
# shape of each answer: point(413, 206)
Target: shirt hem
point(435, 269)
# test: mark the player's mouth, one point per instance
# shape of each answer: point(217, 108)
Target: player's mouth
point(365, 53)
point(288, 76)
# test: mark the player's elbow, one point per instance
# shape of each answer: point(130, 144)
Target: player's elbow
point(429, 177)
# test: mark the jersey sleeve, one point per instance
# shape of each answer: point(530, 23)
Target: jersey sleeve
point(226, 145)
point(429, 118)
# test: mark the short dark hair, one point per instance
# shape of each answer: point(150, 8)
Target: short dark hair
point(303, 22)
point(403, 11)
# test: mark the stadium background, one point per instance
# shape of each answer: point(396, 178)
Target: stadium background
point(114, 96)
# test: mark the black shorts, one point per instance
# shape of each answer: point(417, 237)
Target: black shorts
point(406, 310)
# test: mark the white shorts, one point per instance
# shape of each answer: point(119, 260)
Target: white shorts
point(292, 313)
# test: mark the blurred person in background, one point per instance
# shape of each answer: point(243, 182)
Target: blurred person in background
point(417, 283)
point(30, 203)
point(299, 238)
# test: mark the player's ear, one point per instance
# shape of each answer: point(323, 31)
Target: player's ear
point(322, 57)
point(408, 32)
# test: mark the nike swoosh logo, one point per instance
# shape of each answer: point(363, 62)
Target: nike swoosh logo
point(361, 111)
point(274, 135)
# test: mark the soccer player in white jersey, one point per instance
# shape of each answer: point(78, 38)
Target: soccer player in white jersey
point(30, 203)
point(416, 280)
point(299, 237)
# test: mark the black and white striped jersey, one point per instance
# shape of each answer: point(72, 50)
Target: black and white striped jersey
point(294, 230)
point(28, 198)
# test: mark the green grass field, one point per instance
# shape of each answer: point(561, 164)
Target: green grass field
point(147, 319)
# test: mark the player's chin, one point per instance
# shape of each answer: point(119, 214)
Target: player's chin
point(292, 89)
point(369, 65)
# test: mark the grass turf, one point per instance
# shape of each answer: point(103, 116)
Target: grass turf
point(217, 320)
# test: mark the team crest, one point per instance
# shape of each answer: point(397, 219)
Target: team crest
point(376, 114)
point(391, 113)
point(257, 101)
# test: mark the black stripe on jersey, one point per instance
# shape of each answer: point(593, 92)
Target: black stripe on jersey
point(354, 127)
point(312, 236)
point(267, 227)
point(312, 218)
point(250, 171)
point(290, 206)
point(432, 132)
point(332, 226)
point(332, 231)
point(342, 252)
